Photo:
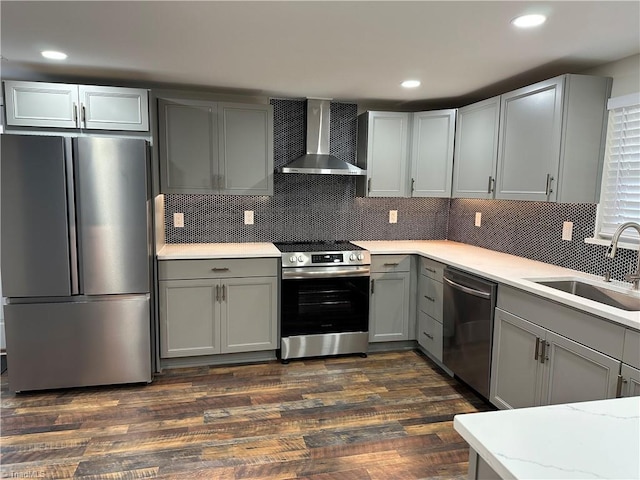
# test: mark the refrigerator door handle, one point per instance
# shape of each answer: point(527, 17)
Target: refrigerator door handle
point(71, 214)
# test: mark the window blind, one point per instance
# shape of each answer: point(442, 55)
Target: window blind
point(620, 193)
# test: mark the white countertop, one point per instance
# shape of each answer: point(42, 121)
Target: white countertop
point(598, 439)
point(496, 266)
point(510, 270)
point(191, 251)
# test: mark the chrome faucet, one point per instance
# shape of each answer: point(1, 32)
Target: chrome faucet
point(613, 248)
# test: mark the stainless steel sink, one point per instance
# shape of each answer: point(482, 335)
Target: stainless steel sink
point(596, 293)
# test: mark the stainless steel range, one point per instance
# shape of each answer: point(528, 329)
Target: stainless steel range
point(324, 299)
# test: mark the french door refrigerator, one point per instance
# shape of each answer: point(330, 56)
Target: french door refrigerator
point(75, 261)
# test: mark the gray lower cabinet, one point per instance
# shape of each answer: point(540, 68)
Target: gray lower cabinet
point(532, 365)
point(217, 313)
point(429, 333)
point(629, 381)
point(216, 148)
point(389, 305)
point(90, 107)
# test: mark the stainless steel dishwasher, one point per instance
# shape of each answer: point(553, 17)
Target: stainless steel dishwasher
point(469, 303)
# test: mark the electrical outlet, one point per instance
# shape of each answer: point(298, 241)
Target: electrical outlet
point(567, 231)
point(393, 216)
point(478, 221)
point(248, 217)
point(178, 220)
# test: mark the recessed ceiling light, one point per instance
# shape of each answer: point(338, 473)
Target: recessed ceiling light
point(410, 83)
point(528, 21)
point(53, 55)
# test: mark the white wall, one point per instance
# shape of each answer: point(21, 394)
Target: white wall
point(625, 73)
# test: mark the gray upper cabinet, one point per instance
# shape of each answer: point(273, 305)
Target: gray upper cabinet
point(383, 142)
point(406, 154)
point(58, 105)
point(246, 149)
point(219, 148)
point(188, 146)
point(432, 153)
point(114, 108)
point(551, 140)
point(476, 149)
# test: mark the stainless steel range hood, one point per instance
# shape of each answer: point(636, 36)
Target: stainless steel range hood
point(318, 161)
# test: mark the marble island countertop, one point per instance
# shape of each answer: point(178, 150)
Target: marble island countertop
point(599, 439)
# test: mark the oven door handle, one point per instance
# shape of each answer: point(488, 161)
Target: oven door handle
point(328, 272)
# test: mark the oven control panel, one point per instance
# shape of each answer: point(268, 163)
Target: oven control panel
point(307, 259)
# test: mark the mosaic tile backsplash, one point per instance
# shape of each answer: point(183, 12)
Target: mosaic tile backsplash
point(320, 207)
point(534, 230)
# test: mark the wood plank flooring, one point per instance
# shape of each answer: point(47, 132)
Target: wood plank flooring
point(388, 416)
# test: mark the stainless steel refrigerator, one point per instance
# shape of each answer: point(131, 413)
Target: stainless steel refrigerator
point(75, 261)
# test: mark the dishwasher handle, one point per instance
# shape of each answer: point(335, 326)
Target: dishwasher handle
point(470, 291)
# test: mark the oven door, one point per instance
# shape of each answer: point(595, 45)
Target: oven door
point(324, 300)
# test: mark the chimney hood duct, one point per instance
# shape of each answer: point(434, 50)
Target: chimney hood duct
point(318, 161)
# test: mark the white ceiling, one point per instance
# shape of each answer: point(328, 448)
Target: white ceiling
point(344, 50)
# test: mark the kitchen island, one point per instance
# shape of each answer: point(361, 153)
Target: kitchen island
point(599, 439)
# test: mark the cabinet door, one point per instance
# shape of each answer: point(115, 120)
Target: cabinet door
point(515, 371)
point(529, 144)
point(389, 307)
point(249, 317)
point(630, 381)
point(577, 373)
point(114, 108)
point(430, 334)
point(246, 149)
point(476, 149)
point(188, 146)
point(37, 104)
point(432, 153)
point(189, 318)
point(387, 154)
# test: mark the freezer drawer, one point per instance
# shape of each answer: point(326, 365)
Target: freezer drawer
point(97, 342)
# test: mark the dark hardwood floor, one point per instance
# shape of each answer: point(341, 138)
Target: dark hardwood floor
point(385, 417)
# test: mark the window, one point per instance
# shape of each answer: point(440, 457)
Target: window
point(620, 192)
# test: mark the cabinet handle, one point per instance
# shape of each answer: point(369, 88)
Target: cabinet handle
point(372, 282)
point(427, 335)
point(220, 269)
point(413, 184)
point(224, 293)
point(368, 185)
point(75, 113)
point(430, 270)
point(430, 298)
point(549, 190)
point(391, 264)
point(535, 355)
point(84, 116)
point(619, 386)
point(217, 293)
point(489, 189)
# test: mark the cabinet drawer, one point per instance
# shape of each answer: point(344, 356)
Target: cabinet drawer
point(594, 332)
point(217, 268)
point(430, 297)
point(431, 268)
point(631, 351)
point(430, 335)
point(391, 263)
